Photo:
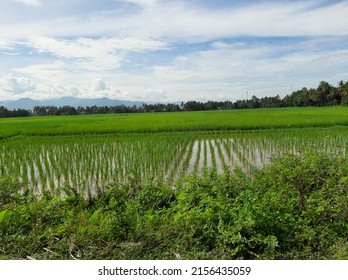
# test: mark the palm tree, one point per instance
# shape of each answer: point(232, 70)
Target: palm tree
point(323, 93)
point(343, 92)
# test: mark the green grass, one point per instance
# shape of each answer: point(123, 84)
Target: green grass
point(180, 121)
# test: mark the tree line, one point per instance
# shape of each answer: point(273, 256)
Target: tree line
point(324, 95)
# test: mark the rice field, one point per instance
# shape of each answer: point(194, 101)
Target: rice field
point(206, 121)
point(87, 164)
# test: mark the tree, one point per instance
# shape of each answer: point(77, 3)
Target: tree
point(3, 112)
point(323, 93)
point(342, 89)
point(40, 110)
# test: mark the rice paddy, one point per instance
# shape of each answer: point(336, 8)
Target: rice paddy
point(205, 121)
point(88, 164)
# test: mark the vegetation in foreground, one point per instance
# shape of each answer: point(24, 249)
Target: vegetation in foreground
point(295, 208)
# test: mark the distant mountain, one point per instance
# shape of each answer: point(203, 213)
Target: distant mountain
point(29, 104)
point(23, 103)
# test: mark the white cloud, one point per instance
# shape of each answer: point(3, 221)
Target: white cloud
point(46, 72)
point(107, 53)
point(172, 73)
point(62, 90)
point(23, 87)
point(29, 2)
point(220, 71)
point(264, 69)
point(178, 20)
point(94, 54)
point(142, 3)
point(97, 88)
point(306, 57)
point(16, 85)
point(5, 45)
point(99, 85)
point(81, 53)
point(155, 95)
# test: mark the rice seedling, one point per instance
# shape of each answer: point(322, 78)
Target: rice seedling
point(221, 154)
point(90, 163)
point(197, 156)
point(212, 155)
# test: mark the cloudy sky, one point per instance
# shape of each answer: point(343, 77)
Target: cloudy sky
point(170, 50)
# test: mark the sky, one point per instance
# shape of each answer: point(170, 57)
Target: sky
point(170, 50)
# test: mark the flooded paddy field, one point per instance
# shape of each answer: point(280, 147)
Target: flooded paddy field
point(89, 163)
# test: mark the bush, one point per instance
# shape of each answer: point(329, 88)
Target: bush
point(296, 208)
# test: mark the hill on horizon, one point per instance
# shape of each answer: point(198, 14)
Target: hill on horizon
point(29, 104)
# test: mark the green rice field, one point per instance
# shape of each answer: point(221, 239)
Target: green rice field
point(179, 121)
point(88, 153)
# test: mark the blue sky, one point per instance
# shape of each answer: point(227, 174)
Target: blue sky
point(166, 50)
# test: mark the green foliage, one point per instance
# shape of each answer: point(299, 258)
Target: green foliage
point(307, 195)
point(12, 191)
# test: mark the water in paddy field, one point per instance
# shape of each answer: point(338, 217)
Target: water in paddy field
point(89, 165)
point(226, 152)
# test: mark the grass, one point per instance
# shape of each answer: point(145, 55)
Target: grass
point(178, 121)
